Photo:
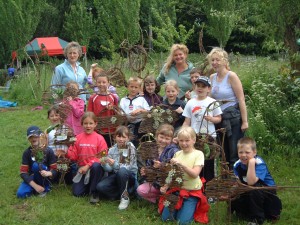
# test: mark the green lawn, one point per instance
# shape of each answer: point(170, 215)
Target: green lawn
point(60, 207)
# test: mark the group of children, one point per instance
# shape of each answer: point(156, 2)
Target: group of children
point(108, 170)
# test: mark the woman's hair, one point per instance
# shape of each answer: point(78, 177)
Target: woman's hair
point(70, 45)
point(196, 70)
point(247, 141)
point(103, 73)
point(122, 131)
point(221, 53)
point(151, 79)
point(53, 108)
point(187, 132)
point(88, 115)
point(174, 48)
point(165, 129)
point(172, 83)
point(135, 79)
point(97, 70)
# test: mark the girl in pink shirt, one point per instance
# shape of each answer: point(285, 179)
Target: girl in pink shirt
point(87, 151)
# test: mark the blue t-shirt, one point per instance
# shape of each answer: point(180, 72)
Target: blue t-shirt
point(261, 170)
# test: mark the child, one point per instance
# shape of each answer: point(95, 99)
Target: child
point(85, 152)
point(151, 89)
point(36, 172)
point(193, 202)
point(94, 72)
point(77, 107)
point(122, 167)
point(196, 114)
point(194, 74)
point(172, 91)
point(166, 149)
point(133, 105)
point(102, 104)
point(257, 205)
point(55, 120)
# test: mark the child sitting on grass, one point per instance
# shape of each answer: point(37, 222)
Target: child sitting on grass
point(122, 167)
point(166, 150)
point(192, 204)
point(36, 172)
point(251, 169)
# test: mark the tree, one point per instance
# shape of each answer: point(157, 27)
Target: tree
point(18, 23)
point(222, 17)
point(117, 21)
point(79, 24)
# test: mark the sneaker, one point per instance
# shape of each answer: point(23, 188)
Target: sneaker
point(124, 203)
point(94, 198)
point(211, 200)
point(42, 194)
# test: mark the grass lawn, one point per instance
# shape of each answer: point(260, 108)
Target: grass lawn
point(60, 207)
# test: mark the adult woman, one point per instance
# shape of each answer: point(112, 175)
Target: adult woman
point(70, 69)
point(177, 68)
point(226, 85)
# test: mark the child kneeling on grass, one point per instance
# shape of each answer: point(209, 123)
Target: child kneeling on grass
point(122, 167)
point(86, 151)
point(192, 204)
point(36, 174)
point(251, 169)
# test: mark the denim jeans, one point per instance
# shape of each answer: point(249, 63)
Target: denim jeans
point(25, 190)
point(185, 214)
point(114, 184)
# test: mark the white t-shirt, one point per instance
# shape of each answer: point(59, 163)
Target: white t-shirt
point(195, 110)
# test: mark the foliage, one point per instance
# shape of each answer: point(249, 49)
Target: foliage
point(18, 22)
point(222, 17)
point(167, 34)
point(117, 21)
point(81, 29)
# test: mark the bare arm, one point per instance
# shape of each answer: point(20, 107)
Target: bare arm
point(251, 174)
point(238, 90)
point(187, 122)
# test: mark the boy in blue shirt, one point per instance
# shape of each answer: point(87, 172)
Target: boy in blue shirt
point(257, 205)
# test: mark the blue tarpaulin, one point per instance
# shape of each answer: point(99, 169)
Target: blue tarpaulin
point(7, 104)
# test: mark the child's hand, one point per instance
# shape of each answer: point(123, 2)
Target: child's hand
point(39, 189)
point(188, 95)
point(69, 98)
point(60, 153)
point(208, 118)
point(135, 112)
point(94, 65)
point(156, 163)
point(84, 169)
point(175, 161)
point(143, 172)
point(179, 110)
point(46, 173)
point(110, 161)
point(163, 189)
point(252, 161)
point(110, 107)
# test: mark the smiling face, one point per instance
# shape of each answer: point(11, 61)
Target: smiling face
point(102, 83)
point(245, 153)
point(186, 143)
point(163, 140)
point(122, 140)
point(179, 57)
point(54, 117)
point(34, 140)
point(217, 62)
point(133, 88)
point(73, 55)
point(171, 93)
point(202, 90)
point(89, 125)
point(150, 87)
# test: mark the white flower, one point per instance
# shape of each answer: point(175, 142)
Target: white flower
point(55, 96)
point(178, 180)
point(166, 203)
point(113, 120)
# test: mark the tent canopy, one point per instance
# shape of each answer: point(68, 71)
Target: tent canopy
point(51, 46)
